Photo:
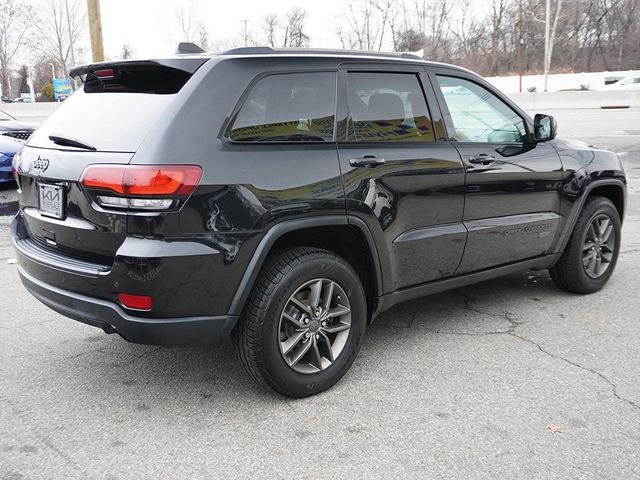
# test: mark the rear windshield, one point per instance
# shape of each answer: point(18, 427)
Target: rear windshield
point(113, 113)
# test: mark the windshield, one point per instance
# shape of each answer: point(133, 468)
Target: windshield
point(5, 116)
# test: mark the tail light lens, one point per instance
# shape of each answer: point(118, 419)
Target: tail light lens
point(144, 187)
point(105, 73)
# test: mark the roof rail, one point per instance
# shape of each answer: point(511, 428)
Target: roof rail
point(316, 51)
point(249, 51)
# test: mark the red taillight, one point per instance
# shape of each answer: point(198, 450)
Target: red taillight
point(105, 73)
point(104, 177)
point(143, 180)
point(136, 302)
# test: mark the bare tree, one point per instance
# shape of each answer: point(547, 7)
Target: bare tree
point(409, 40)
point(186, 24)
point(270, 27)
point(203, 37)
point(60, 33)
point(468, 32)
point(294, 35)
point(14, 29)
point(365, 22)
point(126, 52)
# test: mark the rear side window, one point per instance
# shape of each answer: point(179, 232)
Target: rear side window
point(296, 107)
point(387, 107)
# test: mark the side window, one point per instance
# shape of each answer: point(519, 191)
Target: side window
point(294, 107)
point(478, 115)
point(387, 107)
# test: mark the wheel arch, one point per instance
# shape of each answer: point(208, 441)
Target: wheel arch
point(612, 191)
point(612, 188)
point(335, 233)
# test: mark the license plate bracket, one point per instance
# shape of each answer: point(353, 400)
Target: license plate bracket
point(51, 200)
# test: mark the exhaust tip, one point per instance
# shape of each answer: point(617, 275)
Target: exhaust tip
point(109, 329)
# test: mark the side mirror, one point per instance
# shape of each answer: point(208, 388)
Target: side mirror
point(544, 127)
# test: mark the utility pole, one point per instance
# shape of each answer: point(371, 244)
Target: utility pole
point(32, 92)
point(520, 45)
point(95, 30)
point(546, 43)
point(246, 38)
point(73, 56)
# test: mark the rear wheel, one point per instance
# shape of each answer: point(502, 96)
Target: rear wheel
point(304, 323)
point(592, 251)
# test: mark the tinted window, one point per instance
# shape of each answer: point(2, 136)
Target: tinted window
point(151, 79)
point(115, 122)
point(296, 107)
point(114, 113)
point(387, 107)
point(478, 115)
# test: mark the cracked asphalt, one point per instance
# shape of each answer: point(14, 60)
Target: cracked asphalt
point(509, 379)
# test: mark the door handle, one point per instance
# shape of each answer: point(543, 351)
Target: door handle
point(369, 161)
point(482, 159)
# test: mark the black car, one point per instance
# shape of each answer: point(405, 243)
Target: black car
point(287, 197)
point(10, 127)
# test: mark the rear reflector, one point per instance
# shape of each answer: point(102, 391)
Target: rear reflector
point(143, 180)
point(136, 302)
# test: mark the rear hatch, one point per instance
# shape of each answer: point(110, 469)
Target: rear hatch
point(104, 122)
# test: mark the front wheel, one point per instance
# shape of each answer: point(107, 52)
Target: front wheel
point(592, 251)
point(304, 323)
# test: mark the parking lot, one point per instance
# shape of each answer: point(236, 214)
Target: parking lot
point(506, 379)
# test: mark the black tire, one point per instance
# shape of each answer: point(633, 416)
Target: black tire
point(259, 333)
point(570, 272)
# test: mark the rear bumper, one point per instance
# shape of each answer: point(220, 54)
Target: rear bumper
point(112, 319)
point(190, 305)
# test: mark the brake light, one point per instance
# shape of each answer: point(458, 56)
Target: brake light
point(148, 187)
point(135, 302)
point(105, 73)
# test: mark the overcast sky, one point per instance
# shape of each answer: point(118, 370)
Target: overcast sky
point(143, 23)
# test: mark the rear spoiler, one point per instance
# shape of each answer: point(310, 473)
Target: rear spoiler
point(186, 64)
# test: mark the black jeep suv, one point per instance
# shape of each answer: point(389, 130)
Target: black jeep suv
point(288, 197)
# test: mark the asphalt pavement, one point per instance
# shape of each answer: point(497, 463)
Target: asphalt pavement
point(506, 379)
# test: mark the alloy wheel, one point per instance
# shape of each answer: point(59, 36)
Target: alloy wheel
point(598, 247)
point(314, 326)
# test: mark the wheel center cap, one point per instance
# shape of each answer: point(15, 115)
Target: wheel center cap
point(314, 326)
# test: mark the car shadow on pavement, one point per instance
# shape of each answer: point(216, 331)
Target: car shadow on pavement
point(192, 374)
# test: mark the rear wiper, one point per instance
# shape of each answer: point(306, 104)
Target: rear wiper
point(70, 142)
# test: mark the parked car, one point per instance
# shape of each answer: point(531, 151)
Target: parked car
point(288, 197)
point(5, 99)
point(628, 83)
point(10, 127)
point(8, 148)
